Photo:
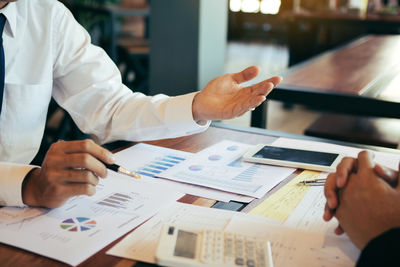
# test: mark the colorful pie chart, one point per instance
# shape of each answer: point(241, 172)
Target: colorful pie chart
point(78, 224)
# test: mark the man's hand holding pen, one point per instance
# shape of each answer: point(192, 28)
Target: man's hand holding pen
point(69, 169)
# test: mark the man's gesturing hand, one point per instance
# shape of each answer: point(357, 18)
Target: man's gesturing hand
point(69, 169)
point(224, 98)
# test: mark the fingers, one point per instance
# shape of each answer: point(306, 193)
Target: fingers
point(365, 160)
point(344, 169)
point(77, 189)
point(275, 80)
point(339, 230)
point(86, 146)
point(389, 175)
point(261, 89)
point(330, 192)
point(76, 176)
point(265, 87)
point(328, 213)
point(87, 162)
point(246, 74)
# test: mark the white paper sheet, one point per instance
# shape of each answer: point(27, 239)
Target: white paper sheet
point(386, 159)
point(292, 247)
point(150, 160)
point(141, 244)
point(308, 214)
point(220, 167)
point(84, 225)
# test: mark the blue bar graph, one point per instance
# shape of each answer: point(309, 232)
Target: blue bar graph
point(164, 164)
point(247, 175)
point(158, 167)
point(150, 170)
point(174, 157)
point(160, 164)
point(171, 161)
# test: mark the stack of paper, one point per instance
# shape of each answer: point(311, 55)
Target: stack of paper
point(221, 167)
point(290, 247)
point(84, 225)
point(151, 161)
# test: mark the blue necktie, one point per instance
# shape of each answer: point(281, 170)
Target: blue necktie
point(2, 62)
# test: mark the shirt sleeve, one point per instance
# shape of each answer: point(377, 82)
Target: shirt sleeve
point(382, 250)
point(88, 85)
point(11, 178)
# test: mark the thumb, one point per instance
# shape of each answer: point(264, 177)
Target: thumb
point(246, 74)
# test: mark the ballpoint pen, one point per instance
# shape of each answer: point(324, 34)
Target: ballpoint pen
point(120, 169)
point(315, 182)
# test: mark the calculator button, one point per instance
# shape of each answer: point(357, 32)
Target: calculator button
point(251, 263)
point(239, 261)
point(261, 257)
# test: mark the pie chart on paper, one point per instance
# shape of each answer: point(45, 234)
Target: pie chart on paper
point(215, 157)
point(195, 168)
point(78, 224)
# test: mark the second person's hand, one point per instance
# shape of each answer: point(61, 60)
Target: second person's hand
point(338, 180)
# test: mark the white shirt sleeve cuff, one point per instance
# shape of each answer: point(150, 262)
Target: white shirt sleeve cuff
point(11, 178)
point(180, 113)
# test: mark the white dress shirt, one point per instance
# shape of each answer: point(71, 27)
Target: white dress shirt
point(48, 54)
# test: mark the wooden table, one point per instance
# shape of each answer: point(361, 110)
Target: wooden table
point(361, 78)
point(11, 256)
point(322, 30)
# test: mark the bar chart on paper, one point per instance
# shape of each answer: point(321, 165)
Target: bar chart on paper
point(150, 161)
point(160, 164)
point(221, 167)
point(117, 200)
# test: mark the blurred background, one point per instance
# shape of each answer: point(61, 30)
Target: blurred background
point(177, 46)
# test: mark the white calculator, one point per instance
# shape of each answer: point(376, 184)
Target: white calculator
point(182, 247)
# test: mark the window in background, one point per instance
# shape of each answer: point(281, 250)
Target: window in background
point(235, 5)
point(270, 6)
point(251, 6)
point(255, 6)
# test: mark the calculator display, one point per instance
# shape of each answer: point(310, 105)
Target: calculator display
point(296, 155)
point(185, 245)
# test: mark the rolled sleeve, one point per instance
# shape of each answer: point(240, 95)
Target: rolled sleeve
point(12, 176)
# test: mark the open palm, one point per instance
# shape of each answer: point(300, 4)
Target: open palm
point(225, 98)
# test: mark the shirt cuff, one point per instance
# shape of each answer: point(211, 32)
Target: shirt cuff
point(11, 179)
point(383, 250)
point(180, 113)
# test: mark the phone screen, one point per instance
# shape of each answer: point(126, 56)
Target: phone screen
point(297, 155)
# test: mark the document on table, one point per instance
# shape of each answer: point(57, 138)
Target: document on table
point(283, 202)
point(308, 213)
point(298, 206)
point(149, 161)
point(84, 225)
point(293, 247)
point(301, 207)
point(290, 247)
point(142, 244)
point(221, 167)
